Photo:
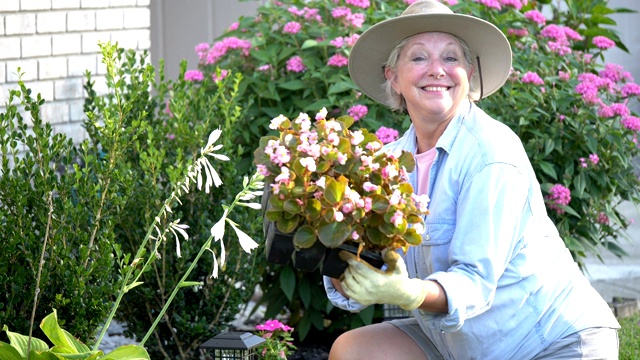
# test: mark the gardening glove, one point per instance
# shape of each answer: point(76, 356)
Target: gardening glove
point(368, 285)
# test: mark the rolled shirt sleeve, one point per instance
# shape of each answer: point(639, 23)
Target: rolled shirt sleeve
point(338, 300)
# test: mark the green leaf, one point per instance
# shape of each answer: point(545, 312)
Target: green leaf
point(332, 234)
point(333, 191)
point(547, 168)
point(127, 352)
point(305, 237)
point(131, 286)
point(366, 314)
point(293, 85)
point(309, 43)
point(21, 342)
point(379, 203)
point(304, 290)
point(407, 160)
point(8, 352)
point(288, 282)
point(60, 337)
point(340, 87)
point(190, 283)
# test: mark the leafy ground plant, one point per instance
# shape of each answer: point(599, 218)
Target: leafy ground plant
point(629, 334)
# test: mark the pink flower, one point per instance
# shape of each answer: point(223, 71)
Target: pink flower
point(367, 186)
point(630, 89)
point(296, 65)
point(338, 60)
point(193, 75)
point(536, 16)
point(559, 197)
point(221, 48)
point(518, 32)
point(631, 123)
point(340, 12)
point(223, 74)
point(516, 4)
point(358, 111)
point(603, 218)
point(397, 218)
point(263, 170)
point(292, 28)
point(532, 78)
point(603, 42)
point(387, 135)
point(201, 50)
point(273, 325)
point(594, 159)
point(356, 20)
point(283, 178)
point(364, 4)
point(492, 4)
point(565, 76)
point(615, 73)
point(234, 26)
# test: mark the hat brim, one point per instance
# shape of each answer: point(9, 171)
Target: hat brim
point(371, 51)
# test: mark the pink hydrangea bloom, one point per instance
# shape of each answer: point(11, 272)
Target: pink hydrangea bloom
point(296, 65)
point(536, 16)
point(292, 27)
point(220, 48)
point(387, 135)
point(532, 78)
point(603, 42)
point(201, 50)
point(615, 73)
point(340, 12)
point(564, 75)
point(338, 60)
point(605, 111)
point(358, 111)
point(620, 109)
point(193, 75)
point(356, 20)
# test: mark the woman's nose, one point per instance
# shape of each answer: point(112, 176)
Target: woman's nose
point(435, 69)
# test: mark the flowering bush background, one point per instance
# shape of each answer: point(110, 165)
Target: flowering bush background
point(570, 108)
point(332, 185)
point(279, 342)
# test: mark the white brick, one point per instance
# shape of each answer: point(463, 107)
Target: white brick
point(81, 63)
point(94, 3)
point(76, 110)
point(118, 3)
point(70, 88)
point(65, 4)
point(109, 19)
point(3, 72)
point(9, 5)
point(74, 131)
point(39, 45)
point(90, 41)
point(129, 39)
point(66, 44)
point(137, 18)
point(81, 20)
point(52, 67)
point(100, 85)
point(51, 21)
point(20, 24)
point(35, 5)
point(102, 68)
point(44, 88)
point(29, 68)
point(2, 25)
point(55, 112)
point(10, 47)
point(143, 2)
point(144, 39)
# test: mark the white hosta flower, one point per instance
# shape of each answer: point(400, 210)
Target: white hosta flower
point(246, 242)
point(180, 228)
point(217, 231)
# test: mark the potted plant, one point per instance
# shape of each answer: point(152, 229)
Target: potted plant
point(333, 187)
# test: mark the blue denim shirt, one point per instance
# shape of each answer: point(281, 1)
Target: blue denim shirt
point(512, 286)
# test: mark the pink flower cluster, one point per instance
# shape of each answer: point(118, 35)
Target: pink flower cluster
point(532, 78)
point(561, 37)
point(220, 48)
point(292, 27)
point(338, 60)
point(387, 135)
point(273, 325)
point(358, 111)
point(603, 218)
point(193, 75)
point(356, 20)
point(603, 42)
point(559, 197)
point(295, 64)
point(306, 13)
point(536, 16)
point(593, 159)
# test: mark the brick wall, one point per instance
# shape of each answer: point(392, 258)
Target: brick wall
point(55, 41)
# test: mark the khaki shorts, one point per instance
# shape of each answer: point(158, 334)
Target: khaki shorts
point(591, 343)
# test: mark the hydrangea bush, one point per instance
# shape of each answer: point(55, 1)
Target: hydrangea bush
point(569, 106)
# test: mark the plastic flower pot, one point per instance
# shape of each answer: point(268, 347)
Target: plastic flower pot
point(278, 245)
point(309, 259)
point(334, 266)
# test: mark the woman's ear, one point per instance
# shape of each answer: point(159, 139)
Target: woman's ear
point(390, 74)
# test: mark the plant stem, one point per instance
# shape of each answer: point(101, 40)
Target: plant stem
point(41, 264)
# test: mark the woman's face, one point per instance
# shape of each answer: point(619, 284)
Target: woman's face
point(432, 75)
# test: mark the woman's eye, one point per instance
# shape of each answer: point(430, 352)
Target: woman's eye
point(418, 58)
point(451, 59)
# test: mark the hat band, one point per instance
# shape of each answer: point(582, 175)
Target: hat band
point(480, 74)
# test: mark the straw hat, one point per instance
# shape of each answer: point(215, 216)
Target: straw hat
point(489, 46)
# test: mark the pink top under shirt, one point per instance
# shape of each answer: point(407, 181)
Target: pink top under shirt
point(423, 168)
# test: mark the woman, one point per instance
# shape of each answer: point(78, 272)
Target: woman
point(492, 278)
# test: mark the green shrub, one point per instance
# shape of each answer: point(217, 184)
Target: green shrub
point(178, 117)
point(629, 336)
point(292, 55)
point(60, 201)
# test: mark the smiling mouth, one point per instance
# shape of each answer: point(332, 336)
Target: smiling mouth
point(435, 88)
